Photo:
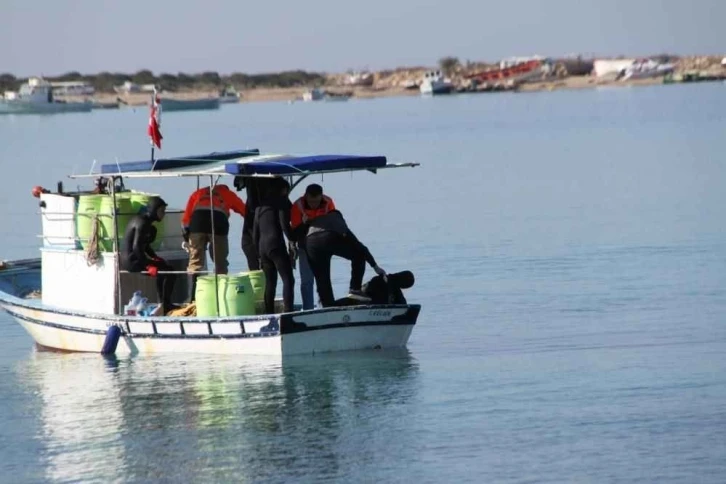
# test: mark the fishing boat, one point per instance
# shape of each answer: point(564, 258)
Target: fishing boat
point(36, 97)
point(73, 297)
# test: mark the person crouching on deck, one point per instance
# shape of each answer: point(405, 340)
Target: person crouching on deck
point(272, 225)
point(137, 254)
point(206, 209)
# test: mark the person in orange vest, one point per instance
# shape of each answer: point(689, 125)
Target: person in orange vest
point(206, 209)
point(311, 205)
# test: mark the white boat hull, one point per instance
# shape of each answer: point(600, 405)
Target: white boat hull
point(304, 332)
point(436, 87)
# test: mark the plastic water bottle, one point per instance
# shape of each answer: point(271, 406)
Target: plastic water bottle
point(133, 303)
point(141, 307)
point(135, 299)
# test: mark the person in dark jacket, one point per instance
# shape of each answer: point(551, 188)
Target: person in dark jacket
point(272, 225)
point(329, 235)
point(138, 256)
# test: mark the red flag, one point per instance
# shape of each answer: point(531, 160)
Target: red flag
point(154, 131)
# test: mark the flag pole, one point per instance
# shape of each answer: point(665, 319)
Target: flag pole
point(153, 109)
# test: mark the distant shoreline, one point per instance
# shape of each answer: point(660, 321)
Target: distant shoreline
point(564, 73)
point(280, 94)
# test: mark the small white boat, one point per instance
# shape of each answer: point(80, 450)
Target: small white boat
point(36, 97)
point(315, 94)
point(72, 300)
point(434, 83)
point(229, 96)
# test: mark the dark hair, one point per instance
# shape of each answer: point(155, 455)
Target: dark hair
point(314, 190)
point(282, 183)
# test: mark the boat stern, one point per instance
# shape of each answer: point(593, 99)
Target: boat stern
point(348, 328)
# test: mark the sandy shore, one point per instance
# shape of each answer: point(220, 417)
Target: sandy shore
point(290, 94)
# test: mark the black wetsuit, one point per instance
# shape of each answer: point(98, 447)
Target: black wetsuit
point(254, 188)
point(272, 224)
point(329, 235)
point(137, 254)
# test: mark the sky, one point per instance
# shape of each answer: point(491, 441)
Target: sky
point(51, 37)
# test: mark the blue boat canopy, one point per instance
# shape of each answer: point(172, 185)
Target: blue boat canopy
point(303, 165)
point(183, 162)
point(246, 163)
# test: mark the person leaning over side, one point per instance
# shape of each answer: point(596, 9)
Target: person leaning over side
point(329, 235)
point(207, 208)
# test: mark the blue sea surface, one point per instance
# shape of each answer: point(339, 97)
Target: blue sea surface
point(569, 249)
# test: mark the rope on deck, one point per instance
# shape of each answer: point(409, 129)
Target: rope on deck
point(92, 253)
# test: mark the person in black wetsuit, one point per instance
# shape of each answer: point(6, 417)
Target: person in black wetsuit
point(271, 226)
point(256, 190)
point(137, 254)
point(329, 235)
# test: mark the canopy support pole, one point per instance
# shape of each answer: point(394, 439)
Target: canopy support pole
point(116, 262)
point(212, 244)
point(297, 182)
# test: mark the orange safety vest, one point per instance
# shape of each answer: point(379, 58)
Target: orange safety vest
point(221, 199)
point(300, 214)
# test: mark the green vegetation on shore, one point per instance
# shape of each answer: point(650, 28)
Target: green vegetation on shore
point(105, 81)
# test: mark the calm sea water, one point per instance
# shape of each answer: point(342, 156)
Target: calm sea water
point(570, 256)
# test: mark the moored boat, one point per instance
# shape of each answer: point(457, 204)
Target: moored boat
point(173, 104)
point(434, 83)
point(72, 297)
point(229, 95)
point(36, 97)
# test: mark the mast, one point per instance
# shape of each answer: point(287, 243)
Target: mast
point(116, 255)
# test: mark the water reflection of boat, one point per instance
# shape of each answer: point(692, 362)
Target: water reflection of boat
point(80, 422)
point(218, 418)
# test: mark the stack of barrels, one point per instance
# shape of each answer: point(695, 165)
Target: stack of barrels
point(101, 207)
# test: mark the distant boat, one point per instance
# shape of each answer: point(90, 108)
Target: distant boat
point(514, 73)
point(36, 97)
point(315, 94)
point(644, 69)
point(229, 95)
point(321, 95)
point(170, 104)
point(434, 83)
